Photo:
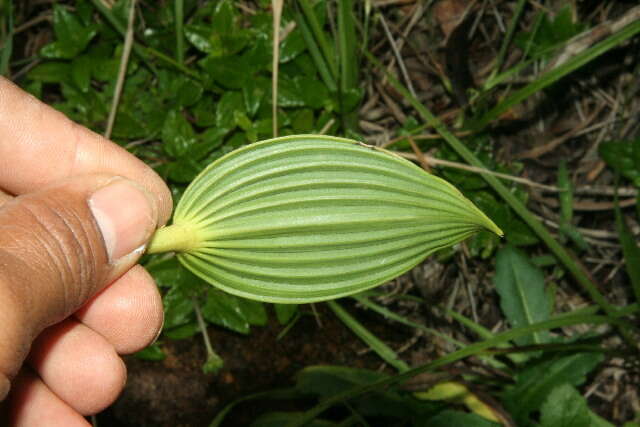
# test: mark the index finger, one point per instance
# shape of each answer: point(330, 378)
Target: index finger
point(39, 145)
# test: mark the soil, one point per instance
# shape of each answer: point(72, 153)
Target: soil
point(175, 392)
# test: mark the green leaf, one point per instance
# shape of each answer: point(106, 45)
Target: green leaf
point(51, 72)
point(189, 93)
point(279, 419)
point(177, 134)
point(292, 46)
point(309, 218)
point(253, 311)
point(385, 352)
point(81, 72)
point(631, 252)
point(448, 418)
point(230, 103)
point(623, 157)
point(184, 170)
point(231, 72)
point(224, 310)
point(71, 36)
point(535, 383)
point(182, 332)
point(178, 308)
point(285, 312)
point(565, 407)
point(323, 381)
point(153, 352)
point(520, 285)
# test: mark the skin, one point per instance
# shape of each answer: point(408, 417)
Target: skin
point(72, 302)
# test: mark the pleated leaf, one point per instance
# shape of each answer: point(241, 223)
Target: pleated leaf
point(307, 218)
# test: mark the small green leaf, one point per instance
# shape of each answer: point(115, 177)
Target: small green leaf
point(153, 352)
point(285, 312)
point(622, 156)
point(51, 72)
point(182, 332)
point(253, 311)
point(224, 310)
point(177, 134)
point(81, 72)
point(522, 296)
point(535, 383)
point(231, 72)
point(71, 36)
point(178, 308)
point(279, 419)
point(631, 252)
point(189, 93)
point(230, 102)
point(565, 407)
point(324, 381)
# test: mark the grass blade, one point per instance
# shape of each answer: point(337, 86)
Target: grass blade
point(630, 250)
point(318, 33)
point(506, 41)
point(179, 17)
point(366, 302)
point(558, 250)
point(450, 358)
point(314, 50)
point(383, 350)
point(557, 73)
point(7, 46)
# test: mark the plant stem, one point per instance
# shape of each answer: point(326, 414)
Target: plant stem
point(176, 238)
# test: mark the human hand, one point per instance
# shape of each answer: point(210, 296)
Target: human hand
point(75, 212)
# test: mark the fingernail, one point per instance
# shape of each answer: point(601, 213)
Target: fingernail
point(125, 217)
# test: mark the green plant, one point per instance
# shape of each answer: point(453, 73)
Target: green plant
point(308, 218)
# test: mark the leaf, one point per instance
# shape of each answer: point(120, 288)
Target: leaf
point(385, 352)
point(231, 72)
point(623, 157)
point(448, 418)
point(230, 103)
point(565, 407)
point(153, 352)
point(520, 285)
point(630, 250)
point(224, 310)
point(279, 419)
point(177, 134)
point(324, 381)
point(285, 312)
point(537, 381)
point(253, 311)
point(178, 308)
point(189, 93)
point(181, 332)
point(51, 72)
point(71, 36)
point(308, 218)
point(81, 72)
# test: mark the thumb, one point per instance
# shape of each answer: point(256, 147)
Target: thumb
point(58, 247)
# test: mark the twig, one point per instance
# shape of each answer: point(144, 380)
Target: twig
point(276, 5)
point(396, 52)
point(455, 165)
point(122, 71)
